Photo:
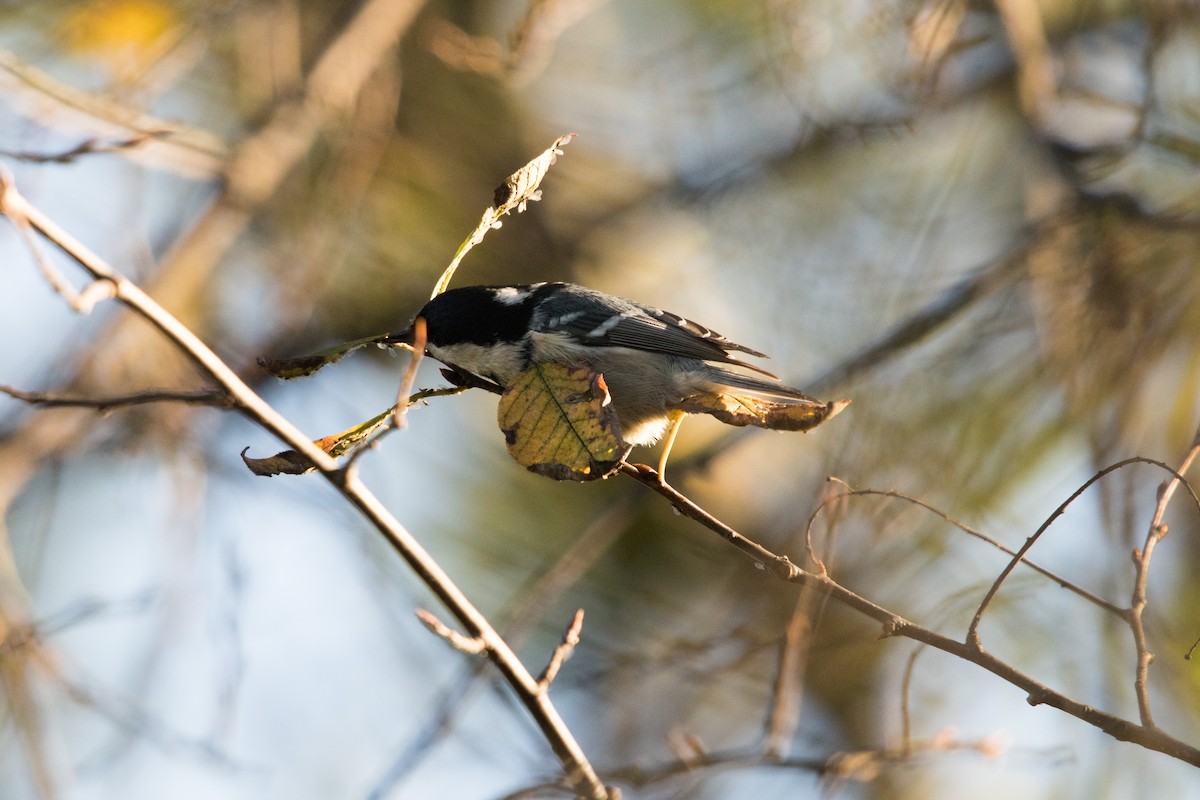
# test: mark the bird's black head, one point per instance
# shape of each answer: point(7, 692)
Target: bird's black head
point(482, 315)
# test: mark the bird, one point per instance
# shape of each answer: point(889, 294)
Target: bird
point(651, 360)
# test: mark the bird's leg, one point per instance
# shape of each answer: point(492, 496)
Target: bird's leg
point(676, 419)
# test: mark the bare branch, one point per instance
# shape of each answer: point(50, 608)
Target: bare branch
point(410, 374)
point(973, 630)
point(81, 302)
point(563, 651)
point(86, 147)
point(595, 540)
point(575, 763)
point(1141, 560)
point(202, 397)
point(893, 624)
point(164, 145)
point(516, 192)
point(1091, 597)
point(471, 645)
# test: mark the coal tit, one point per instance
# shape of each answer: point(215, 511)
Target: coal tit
point(650, 359)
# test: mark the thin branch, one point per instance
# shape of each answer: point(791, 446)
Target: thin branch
point(517, 191)
point(471, 645)
point(410, 374)
point(201, 397)
point(564, 651)
point(1091, 597)
point(80, 301)
point(1141, 560)
point(528, 609)
point(90, 146)
point(973, 630)
point(763, 558)
point(893, 624)
point(166, 145)
point(578, 769)
point(788, 690)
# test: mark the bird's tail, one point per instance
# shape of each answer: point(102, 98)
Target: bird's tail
point(724, 379)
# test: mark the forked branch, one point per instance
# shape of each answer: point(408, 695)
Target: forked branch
point(578, 769)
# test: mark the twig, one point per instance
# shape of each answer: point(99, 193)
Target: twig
point(1141, 561)
point(201, 397)
point(575, 763)
point(388, 422)
point(471, 645)
point(763, 558)
point(86, 147)
point(167, 145)
point(81, 302)
point(788, 690)
point(1091, 597)
point(905, 698)
point(596, 539)
point(973, 631)
point(410, 374)
point(893, 624)
point(564, 651)
point(516, 192)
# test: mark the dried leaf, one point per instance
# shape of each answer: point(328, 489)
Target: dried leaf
point(559, 422)
point(518, 189)
point(522, 186)
point(775, 415)
point(289, 462)
point(302, 366)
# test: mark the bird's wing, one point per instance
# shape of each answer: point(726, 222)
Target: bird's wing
point(612, 322)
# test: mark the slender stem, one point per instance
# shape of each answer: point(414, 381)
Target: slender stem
point(1138, 602)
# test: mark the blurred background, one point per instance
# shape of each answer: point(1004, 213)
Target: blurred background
point(979, 221)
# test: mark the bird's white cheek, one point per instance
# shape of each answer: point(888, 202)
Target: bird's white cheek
point(501, 363)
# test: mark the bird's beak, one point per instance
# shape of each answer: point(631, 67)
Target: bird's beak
point(406, 338)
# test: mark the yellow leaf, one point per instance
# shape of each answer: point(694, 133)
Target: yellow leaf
point(559, 422)
point(127, 34)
